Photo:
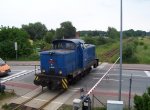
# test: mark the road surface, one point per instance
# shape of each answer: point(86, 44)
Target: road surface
point(107, 89)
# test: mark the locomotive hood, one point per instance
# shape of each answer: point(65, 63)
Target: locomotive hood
point(57, 52)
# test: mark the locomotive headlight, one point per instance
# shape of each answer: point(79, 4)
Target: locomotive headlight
point(60, 72)
point(43, 71)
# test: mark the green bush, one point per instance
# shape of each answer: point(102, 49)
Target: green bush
point(149, 105)
point(142, 102)
point(146, 100)
point(90, 40)
point(129, 51)
point(32, 57)
point(136, 43)
point(141, 43)
point(145, 47)
point(138, 101)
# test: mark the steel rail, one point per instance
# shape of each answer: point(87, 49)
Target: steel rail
point(23, 103)
point(50, 100)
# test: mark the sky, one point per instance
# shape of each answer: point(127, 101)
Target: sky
point(84, 14)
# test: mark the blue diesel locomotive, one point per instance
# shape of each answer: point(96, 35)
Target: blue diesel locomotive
point(69, 60)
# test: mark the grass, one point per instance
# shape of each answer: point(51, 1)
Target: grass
point(6, 95)
point(65, 107)
point(101, 49)
point(142, 51)
point(32, 57)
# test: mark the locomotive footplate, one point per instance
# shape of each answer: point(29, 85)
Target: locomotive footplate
point(52, 82)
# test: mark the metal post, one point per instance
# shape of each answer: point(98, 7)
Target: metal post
point(16, 55)
point(120, 80)
point(35, 69)
point(89, 103)
point(93, 102)
point(130, 92)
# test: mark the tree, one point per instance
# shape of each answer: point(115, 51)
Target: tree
point(68, 30)
point(35, 30)
point(112, 33)
point(59, 33)
point(49, 37)
point(89, 40)
point(7, 38)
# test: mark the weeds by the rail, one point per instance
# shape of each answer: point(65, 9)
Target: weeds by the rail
point(6, 95)
point(6, 107)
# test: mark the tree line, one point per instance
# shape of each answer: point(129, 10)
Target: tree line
point(33, 35)
point(30, 36)
point(126, 33)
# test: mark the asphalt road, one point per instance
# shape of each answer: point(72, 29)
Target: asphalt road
point(140, 78)
point(108, 88)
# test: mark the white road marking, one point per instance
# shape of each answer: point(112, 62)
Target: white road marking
point(109, 79)
point(147, 73)
point(125, 75)
point(14, 74)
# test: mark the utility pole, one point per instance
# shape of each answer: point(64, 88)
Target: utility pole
point(120, 79)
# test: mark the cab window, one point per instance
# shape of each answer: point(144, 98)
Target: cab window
point(64, 45)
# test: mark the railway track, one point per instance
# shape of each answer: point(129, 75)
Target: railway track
point(35, 102)
point(106, 56)
point(110, 53)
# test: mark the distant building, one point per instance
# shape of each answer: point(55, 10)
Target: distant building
point(77, 35)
